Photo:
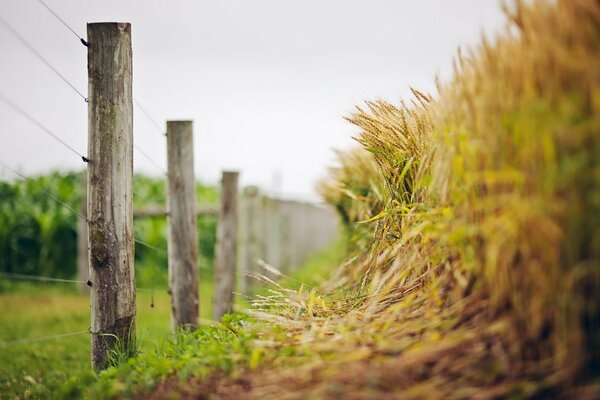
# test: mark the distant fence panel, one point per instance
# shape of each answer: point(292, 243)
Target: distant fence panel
point(283, 233)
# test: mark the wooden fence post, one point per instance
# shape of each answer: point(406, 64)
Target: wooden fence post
point(250, 247)
point(83, 266)
point(226, 252)
point(110, 173)
point(183, 231)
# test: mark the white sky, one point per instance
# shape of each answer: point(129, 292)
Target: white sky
point(266, 82)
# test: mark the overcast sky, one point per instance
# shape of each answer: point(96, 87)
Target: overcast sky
point(266, 82)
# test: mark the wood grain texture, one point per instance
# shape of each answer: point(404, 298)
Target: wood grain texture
point(110, 173)
point(250, 238)
point(156, 211)
point(183, 231)
point(226, 251)
point(83, 265)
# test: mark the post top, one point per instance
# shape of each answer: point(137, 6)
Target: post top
point(120, 24)
point(119, 27)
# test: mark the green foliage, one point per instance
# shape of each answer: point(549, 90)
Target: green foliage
point(121, 351)
point(227, 347)
point(186, 354)
point(38, 236)
point(60, 368)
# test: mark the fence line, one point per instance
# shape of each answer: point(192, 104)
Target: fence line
point(276, 220)
point(81, 39)
point(101, 300)
point(25, 43)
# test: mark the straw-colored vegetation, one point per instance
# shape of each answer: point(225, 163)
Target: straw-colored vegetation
point(483, 274)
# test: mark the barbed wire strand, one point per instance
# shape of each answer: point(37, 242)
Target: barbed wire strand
point(14, 276)
point(148, 245)
point(143, 153)
point(25, 43)
point(34, 121)
point(81, 39)
point(148, 116)
point(38, 278)
point(16, 342)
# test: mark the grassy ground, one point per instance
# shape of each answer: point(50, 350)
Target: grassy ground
point(37, 369)
point(60, 367)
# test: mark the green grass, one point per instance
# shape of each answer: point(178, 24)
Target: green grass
point(60, 368)
point(31, 369)
point(224, 348)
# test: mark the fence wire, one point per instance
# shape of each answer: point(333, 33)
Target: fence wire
point(17, 342)
point(28, 45)
point(34, 121)
point(149, 117)
point(81, 39)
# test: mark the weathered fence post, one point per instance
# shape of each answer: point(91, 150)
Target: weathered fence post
point(110, 173)
point(226, 252)
point(83, 265)
point(183, 232)
point(249, 238)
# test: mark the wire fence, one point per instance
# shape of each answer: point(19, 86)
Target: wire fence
point(14, 276)
point(29, 116)
point(15, 32)
point(4, 98)
point(36, 53)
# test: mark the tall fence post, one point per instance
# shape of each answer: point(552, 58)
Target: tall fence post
point(110, 174)
point(83, 265)
point(183, 232)
point(226, 252)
